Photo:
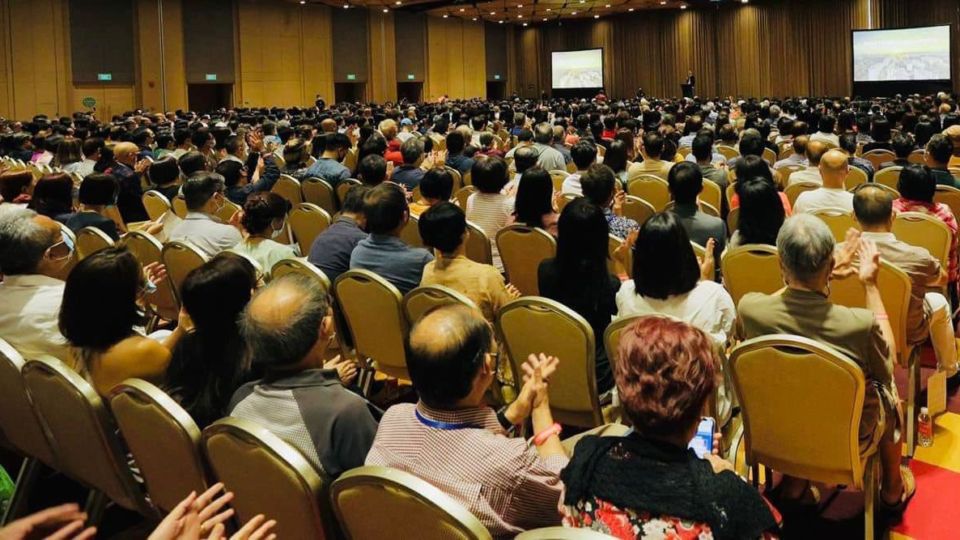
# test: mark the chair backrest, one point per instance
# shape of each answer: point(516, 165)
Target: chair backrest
point(949, 196)
point(257, 466)
point(300, 267)
point(769, 156)
point(411, 233)
point(156, 203)
point(307, 221)
point(350, 160)
point(91, 240)
point(727, 152)
point(539, 325)
point(613, 244)
point(839, 221)
point(879, 157)
point(650, 188)
point(564, 200)
point(85, 442)
point(558, 177)
point(733, 220)
point(788, 170)
point(179, 205)
point(801, 403)
point(162, 438)
point(751, 268)
point(711, 193)
point(917, 156)
point(319, 192)
point(228, 210)
point(372, 308)
point(463, 194)
point(563, 533)
point(457, 178)
point(895, 288)
point(343, 187)
point(424, 299)
point(522, 249)
point(180, 258)
point(288, 187)
point(794, 190)
point(926, 231)
point(479, 248)
point(638, 209)
point(407, 506)
point(855, 177)
point(888, 177)
point(148, 249)
point(19, 423)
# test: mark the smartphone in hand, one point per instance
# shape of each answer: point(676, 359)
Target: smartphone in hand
point(702, 442)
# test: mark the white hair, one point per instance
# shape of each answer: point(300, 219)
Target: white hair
point(805, 244)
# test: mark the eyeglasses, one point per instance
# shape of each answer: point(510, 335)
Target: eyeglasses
point(60, 250)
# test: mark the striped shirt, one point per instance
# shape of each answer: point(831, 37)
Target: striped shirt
point(491, 212)
point(503, 481)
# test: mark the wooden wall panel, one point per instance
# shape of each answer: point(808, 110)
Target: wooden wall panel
point(174, 65)
point(318, 53)
point(351, 45)
point(6, 66)
point(456, 59)
point(411, 45)
point(209, 41)
point(271, 53)
point(382, 84)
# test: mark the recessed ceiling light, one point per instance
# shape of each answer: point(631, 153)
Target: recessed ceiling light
point(574, 13)
point(596, 16)
point(519, 16)
point(744, 1)
point(493, 12)
point(519, 5)
point(474, 18)
point(683, 6)
point(548, 9)
point(302, 2)
point(663, 2)
point(608, 5)
point(346, 6)
point(398, 2)
point(462, 10)
point(501, 22)
point(544, 19)
point(385, 10)
point(631, 9)
point(524, 24)
point(445, 15)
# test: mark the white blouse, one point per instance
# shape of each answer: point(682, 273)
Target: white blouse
point(708, 307)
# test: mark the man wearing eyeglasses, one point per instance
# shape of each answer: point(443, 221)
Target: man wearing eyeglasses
point(33, 256)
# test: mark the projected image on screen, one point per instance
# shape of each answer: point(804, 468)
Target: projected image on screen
point(578, 69)
point(908, 54)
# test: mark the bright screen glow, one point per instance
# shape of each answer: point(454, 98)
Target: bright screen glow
point(578, 69)
point(908, 54)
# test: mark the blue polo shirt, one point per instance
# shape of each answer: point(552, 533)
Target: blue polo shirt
point(392, 259)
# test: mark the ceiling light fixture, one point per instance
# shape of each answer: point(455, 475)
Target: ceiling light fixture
point(524, 24)
point(302, 2)
point(574, 13)
point(683, 6)
point(631, 9)
point(445, 15)
point(500, 21)
point(385, 10)
point(596, 16)
point(544, 19)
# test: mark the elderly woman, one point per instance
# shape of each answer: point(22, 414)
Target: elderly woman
point(807, 259)
point(917, 186)
point(649, 483)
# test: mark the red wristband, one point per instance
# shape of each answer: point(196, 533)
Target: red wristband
point(542, 437)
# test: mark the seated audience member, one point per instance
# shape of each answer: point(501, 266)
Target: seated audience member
point(807, 259)
point(331, 249)
point(848, 143)
point(383, 252)
point(329, 166)
point(236, 180)
point(761, 215)
point(917, 188)
point(264, 219)
point(880, 135)
point(651, 151)
point(799, 155)
point(751, 144)
point(525, 159)
point(668, 280)
point(815, 151)
point(584, 155)
point(164, 175)
point(33, 258)
point(616, 158)
point(101, 319)
point(372, 170)
point(929, 312)
point(295, 154)
point(98, 192)
point(833, 171)
point(455, 157)
point(488, 146)
point(578, 277)
point(191, 163)
point(953, 133)
point(600, 187)
point(15, 187)
point(619, 485)
point(444, 229)
point(702, 151)
point(903, 146)
point(825, 134)
point(91, 154)
point(548, 157)
point(754, 167)
point(286, 327)
point(489, 208)
point(204, 195)
point(534, 204)
point(208, 362)
point(127, 170)
point(454, 440)
point(436, 186)
point(409, 174)
point(686, 182)
point(939, 151)
point(53, 196)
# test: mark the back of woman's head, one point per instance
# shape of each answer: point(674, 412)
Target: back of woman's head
point(437, 184)
point(99, 189)
point(68, 151)
point(53, 195)
point(534, 197)
point(761, 212)
point(261, 210)
point(442, 227)
point(164, 171)
point(489, 174)
point(583, 239)
point(752, 167)
point(215, 293)
point(666, 371)
point(664, 264)
point(616, 155)
point(881, 130)
point(99, 306)
point(916, 183)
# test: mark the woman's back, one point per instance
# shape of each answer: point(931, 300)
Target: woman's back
point(708, 307)
point(134, 357)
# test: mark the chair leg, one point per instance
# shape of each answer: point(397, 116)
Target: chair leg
point(26, 478)
point(870, 496)
point(913, 394)
point(95, 506)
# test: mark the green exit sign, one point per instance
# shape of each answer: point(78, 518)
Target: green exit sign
point(211, 76)
point(104, 76)
point(496, 77)
point(410, 76)
point(351, 76)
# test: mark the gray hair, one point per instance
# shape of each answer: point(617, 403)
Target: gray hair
point(286, 344)
point(805, 244)
point(544, 133)
point(23, 241)
point(411, 150)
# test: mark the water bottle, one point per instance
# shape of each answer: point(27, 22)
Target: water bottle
point(924, 428)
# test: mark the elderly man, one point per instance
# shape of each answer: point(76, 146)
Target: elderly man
point(128, 171)
point(453, 440)
point(799, 155)
point(834, 168)
point(204, 194)
point(33, 256)
point(287, 327)
point(548, 156)
point(815, 152)
point(806, 249)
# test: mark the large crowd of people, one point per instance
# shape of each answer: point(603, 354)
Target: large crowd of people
point(263, 352)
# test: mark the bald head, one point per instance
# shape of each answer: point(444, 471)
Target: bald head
point(446, 350)
point(328, 125)
point(953, 133)
point(873, 208)
point(834, 168)
point(815, 152)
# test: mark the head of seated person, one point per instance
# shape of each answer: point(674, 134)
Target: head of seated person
point(938, 152)
point(685, 182)
point(295, 153)
point(31, 244)
point(372, 170)
point(761, 212)
point(599, 185)
point(412, 152)
point(534, 197)
point(751, 143)
point(663, 239)
point(826, 124)
point(336, 146)
point(805, 245)
point(702, 148)
point(652, 145)
point(265, 215)
point(14, 186)
point(455, 143)
point(800, 145)
point(436, 186)
point(53, 195)
point(489, 174)
point(584, 154)
point(98, 191)
point(916, 183)
point(873, 208)
point(234, 173)
point(385, 210)
point(752, 167)
point(848, 143)
point(443, 228)
point(903, 145)
point(834, 168)
point(524, 157)
point(164, 172)
point(204, 193)
point(191, 163)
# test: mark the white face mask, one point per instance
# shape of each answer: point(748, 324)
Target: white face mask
point(276, 233)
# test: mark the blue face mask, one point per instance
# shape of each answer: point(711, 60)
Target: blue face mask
point(68, 240)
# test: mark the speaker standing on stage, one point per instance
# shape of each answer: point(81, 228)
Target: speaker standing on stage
point(691, 80)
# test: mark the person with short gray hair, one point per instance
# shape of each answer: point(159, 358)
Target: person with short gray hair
point(409, 174)
point(205, 196)
point(807, 261)
point(287, 327)
point(547, 156)
point(33, 256)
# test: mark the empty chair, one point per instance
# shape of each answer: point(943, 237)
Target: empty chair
point(91, 240)
point(751, 268)
point(307, 221)
point(372, 308)
point(228, 210)
point(422, 300)
point(162, 438)
point(407, 506)
point(288, 187)
point(888, 177)
point(180, 258)
point(319, 192)
point(711, 194)
point(785, 173)
point(650, 188)
point(637, 209)
point(156, 204)
point(257, 466)
point(558, 177)
point(769, 156)
point(522, 249)
point(839, 221)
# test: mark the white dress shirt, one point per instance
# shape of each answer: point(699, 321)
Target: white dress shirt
point(29, 311)
point(708, 307)
point(810, 174)
point(571, 184)
point(823, 198)
point(207, 233)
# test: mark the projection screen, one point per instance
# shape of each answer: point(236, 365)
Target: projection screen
point(906, 54)
point(577, 69)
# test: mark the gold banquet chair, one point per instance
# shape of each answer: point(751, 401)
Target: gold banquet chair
point(164, 441)
point(461, 196)
point(410, 234)
point(156, 204)
point(300, 267)
point(538, 325)
point(478, 248)
point(563, 533)
point(794, 190)
point(855, 177)
point(558, 177)
point(91, 240)
point(372, 307)
point(637, 209)
point(878, 157)
point(307, 221)
point(522, 249)
point(751, 268)
point(426, 298)
point(949, 196)
point(319, 192)
point(926, 231)
point(148, 249)
point(711, 194)
point(650, 188)
point(228, 210)
point(85, 440)
point(819, 441)
point(889, 177)
point(288, 187)
point(269, 476)
point(179, 205)
point(838, 220)
point(406, 506)
point(343, 187)
point(180, 258)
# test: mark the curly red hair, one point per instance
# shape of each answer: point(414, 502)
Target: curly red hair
point(666, 370)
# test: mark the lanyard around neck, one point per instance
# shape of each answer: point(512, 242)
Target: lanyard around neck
point(437, 424)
